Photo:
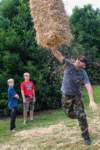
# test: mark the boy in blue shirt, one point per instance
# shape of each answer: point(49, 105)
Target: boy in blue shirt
point(12, 103)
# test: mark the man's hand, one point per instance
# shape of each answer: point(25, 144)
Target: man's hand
point(93, 106)
point(57, 54)
point(23, 96)
point(34, 99)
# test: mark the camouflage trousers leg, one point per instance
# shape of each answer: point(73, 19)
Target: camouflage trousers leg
point(74, 108)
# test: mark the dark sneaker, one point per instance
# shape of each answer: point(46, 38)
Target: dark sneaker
point(87, 141)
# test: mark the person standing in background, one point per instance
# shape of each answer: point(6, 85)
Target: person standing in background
point(28, 95)
point(12, 104)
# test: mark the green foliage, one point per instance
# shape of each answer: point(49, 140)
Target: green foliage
point(8, 8)
point(19, 53)
point(85, 24)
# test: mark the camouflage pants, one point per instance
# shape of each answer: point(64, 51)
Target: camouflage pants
point(74, 108)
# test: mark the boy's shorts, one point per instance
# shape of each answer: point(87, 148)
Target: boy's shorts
point(29, 105)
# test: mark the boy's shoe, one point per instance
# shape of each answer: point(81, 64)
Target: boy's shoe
point(13, 130)
point(87, 140)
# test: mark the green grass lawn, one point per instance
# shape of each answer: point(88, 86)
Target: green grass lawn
point(44, 120)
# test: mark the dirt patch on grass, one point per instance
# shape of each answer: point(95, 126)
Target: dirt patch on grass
point(37, 132)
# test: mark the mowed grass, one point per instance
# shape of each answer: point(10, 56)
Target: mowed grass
point(51, 130)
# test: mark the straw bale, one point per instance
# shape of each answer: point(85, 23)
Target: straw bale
point(51, 23)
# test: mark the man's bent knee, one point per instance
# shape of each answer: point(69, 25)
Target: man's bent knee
point(72, 115)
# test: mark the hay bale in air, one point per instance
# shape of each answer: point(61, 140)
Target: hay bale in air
point(51, 23)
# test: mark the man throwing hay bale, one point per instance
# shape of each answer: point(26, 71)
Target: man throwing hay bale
point(52, 29)
point(74, 77)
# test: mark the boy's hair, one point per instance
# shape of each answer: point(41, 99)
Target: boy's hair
point(10, 80)
point(26, 73)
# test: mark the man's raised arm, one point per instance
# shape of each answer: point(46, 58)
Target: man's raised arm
point(57, 54)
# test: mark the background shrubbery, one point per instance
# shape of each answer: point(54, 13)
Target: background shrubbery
point(19, 51)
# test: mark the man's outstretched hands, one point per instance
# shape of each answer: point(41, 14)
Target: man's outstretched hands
point(93, 106)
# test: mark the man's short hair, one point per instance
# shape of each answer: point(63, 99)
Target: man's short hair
point(83, 59)
point(26, 74)
point(10, 80)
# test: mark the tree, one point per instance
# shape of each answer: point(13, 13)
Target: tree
point(19, 52)
point(85, 23)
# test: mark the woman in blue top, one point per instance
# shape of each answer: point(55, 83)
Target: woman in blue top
point(12, 103)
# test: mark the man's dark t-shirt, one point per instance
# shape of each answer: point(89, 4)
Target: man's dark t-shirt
point(73, 79)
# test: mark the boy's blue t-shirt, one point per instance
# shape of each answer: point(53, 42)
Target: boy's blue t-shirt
point(12, 101)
